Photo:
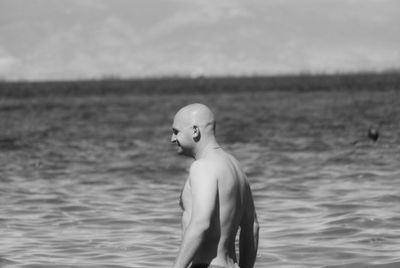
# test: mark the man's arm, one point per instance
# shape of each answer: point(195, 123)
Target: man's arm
point(204, 193)
point(249, 227)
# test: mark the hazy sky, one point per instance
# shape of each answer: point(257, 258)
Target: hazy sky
point(68, 39)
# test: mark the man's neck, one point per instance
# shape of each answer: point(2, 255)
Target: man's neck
point(206, 148)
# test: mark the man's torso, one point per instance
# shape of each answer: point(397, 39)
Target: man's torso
point(218, 246)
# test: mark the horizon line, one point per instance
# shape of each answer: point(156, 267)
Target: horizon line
point(105, 78)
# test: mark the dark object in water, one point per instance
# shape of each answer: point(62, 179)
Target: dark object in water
point(373, 133)
point(7, 143)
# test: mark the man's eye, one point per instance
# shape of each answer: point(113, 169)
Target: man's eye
point(175, 131)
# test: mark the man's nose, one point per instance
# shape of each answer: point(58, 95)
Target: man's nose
point(173, 138)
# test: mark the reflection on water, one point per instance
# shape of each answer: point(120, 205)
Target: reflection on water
point(94, 182)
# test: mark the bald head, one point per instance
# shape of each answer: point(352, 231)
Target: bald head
point(196, 115)
point(193, 130)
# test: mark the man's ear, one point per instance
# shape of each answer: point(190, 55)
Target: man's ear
point(196, 133)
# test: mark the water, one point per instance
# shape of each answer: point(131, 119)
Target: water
point(93, 181)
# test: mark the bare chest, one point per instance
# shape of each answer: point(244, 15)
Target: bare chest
point(185, 200)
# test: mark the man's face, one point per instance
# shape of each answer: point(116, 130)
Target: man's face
point(182, 136)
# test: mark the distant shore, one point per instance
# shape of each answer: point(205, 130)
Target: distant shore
point(204, 85)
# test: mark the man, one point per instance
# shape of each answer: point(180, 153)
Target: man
point(216, 199)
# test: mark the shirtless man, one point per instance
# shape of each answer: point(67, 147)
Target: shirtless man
point(216, 199)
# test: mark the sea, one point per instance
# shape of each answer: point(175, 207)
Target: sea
point(93, 181)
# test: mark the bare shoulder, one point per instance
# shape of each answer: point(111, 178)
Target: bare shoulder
point(203, 169)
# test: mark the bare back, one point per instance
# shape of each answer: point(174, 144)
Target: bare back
point(218, 247)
